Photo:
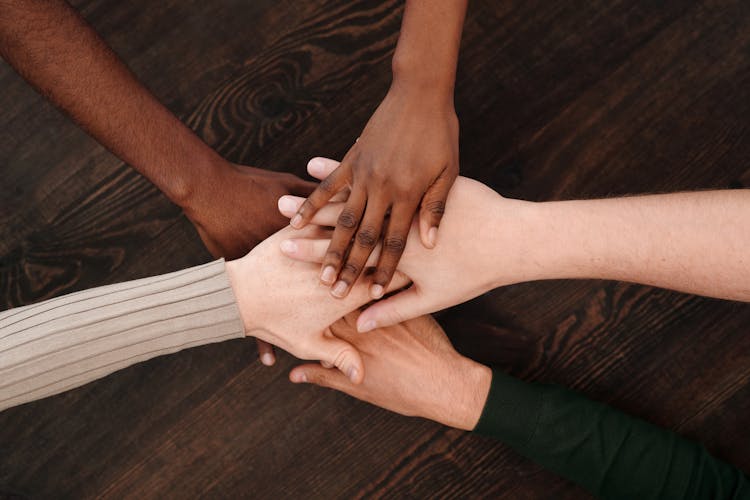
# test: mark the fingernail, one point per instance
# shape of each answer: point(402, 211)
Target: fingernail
point(328, 275)
point(286, 204)
point(267, 359)
point(296, 221)
point(367, 326)
point(288, 246)
point(352, 374)
point(339, 288)
point(432, 236)
point(376, 291)
point(315, 165)
point(299, 377)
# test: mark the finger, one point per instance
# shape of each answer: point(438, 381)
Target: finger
point(328, 187)
point(346, 225)
point(343, 356)
point(326, 364)
point(394, 242)
point(365, 239)
point(312, 232)
point(393, 310)
point(265, 352)
point(320, 167)
point(324, 377)
point(314, 250)
point(326, 216)
point(342, 195)
point(432, 208)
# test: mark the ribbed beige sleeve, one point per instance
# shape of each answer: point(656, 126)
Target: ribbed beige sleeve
point(62, 343)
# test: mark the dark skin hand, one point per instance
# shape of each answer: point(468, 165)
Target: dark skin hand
point(231, 212)
point(233, 207)
point(405, 160)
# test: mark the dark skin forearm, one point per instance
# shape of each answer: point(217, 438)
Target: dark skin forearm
point(405, 160)
point(232, 207)
point(57, 52)
point(427, 52)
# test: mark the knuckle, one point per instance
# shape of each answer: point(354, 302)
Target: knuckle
point(344, 354)
point(397, 317)
point(318, 378)
point(378, 176)
point(347, 219)
point(367, 237)
point(394, 244)
point(383, 276)
point(349, 269)
point(333, 257)
point(402, 192)
point(327, 185)
point(435, 207)
point(307, 206)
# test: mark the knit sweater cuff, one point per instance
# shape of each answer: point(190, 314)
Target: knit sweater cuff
point(512, 410)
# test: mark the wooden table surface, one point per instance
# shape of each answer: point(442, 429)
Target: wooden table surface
point(557, 100)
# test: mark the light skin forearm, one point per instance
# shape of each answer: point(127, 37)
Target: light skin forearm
point(692, 242)
point(57, 52)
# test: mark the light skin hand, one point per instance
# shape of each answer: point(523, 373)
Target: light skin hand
point(405, 160)
point(231, 213)
point(411, 369)
point(459, 268)
point(281, 303)
point(692, 242)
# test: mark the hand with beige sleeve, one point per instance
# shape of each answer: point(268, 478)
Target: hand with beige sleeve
point(282, 303)
point(68, 341)
point(694, 242)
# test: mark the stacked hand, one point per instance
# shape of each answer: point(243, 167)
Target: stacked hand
point(281, 302)
point(465, 263)
point(410, 368)
point(405, 161)
point(233, 210)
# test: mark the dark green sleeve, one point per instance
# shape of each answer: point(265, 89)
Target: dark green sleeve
point(607, 452)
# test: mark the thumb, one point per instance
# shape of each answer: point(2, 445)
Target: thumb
point(343, 356)
point(313, 373)
point(432, 208)
point(393, 310)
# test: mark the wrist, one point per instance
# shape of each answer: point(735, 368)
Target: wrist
point(199, 185)
point(417, 76)
point(191, 170)
point(237, 274)
point(535, 240)
point(469, 396)
point(565, 243)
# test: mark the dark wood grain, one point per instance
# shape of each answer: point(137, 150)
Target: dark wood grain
point(556, 99)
